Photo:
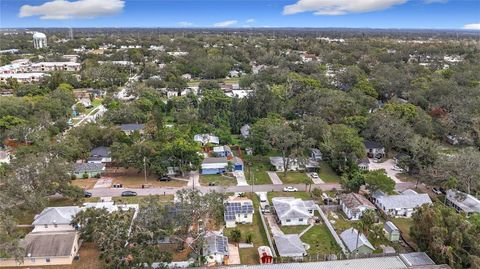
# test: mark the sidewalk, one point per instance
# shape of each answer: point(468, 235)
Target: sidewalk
point(194, 180)
point(274, 178)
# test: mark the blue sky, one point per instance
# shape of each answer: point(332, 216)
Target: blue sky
point(437, 14)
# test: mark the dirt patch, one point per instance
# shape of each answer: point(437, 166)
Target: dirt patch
point(85, 184)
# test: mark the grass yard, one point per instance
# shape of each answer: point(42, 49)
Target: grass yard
point(259, 238)
point(293, 229)
point(258, 169)
point(219, 180)
point(131, 178)
point(320, 241)
point(327, 174)
point(139, 199)
point(341, 223)
point(294, 178)
point(84, 184)
point(298, 194)
point(404, 224)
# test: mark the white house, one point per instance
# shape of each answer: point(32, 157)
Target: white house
point(238, 210)
point(354, 204)
point(401, 205)
point(293, 211)
point(23, 77)
point(277, 162)
point(374, 149)
point(206, 138)
point(214, 165)
point(54, 66)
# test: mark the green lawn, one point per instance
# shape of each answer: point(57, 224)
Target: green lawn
point(250, 255)
point(139, 199)
point(293, 229)
point(259, 167)
point(299, 194)
point(219, 180)
point(327, 174)
point(404, 224)
point(341, 223)
point(320, 241)
point(294, 178)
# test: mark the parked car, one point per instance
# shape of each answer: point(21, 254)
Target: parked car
point(129, 193)
point(87, 194)
point(397, 168)
point(290, 189)
point(164, 178)
point(437, 191)
point(314, 175)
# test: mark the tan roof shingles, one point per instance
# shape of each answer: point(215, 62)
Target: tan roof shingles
point(50, 244)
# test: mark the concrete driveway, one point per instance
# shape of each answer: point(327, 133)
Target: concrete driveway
point(233, 254)
point(316, 180)
point(273, 225)
point(387, 165)
point(274, 178)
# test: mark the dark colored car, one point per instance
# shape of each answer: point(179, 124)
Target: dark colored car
point(164, 178)
point(129, 193)
point(87, 194)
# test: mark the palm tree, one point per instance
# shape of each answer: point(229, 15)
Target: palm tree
point(360, 227)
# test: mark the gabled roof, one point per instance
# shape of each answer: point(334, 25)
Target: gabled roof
point(88, 167)
point(206, 138)
point(390, 227)
point(56, 215)
point(289, 245)
point(216, 244)
point(291, 208)
point(354, 201)
point(349, 237)
point(416, 259)
point(56, 244)
point(404, 200)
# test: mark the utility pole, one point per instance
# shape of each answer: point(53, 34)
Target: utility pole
point(145, 168)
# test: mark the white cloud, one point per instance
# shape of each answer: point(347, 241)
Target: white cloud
point(61, 9)
point(472, 26)
point(185, 24)
point(339, 7)
point(225, 23)
point(250, 21)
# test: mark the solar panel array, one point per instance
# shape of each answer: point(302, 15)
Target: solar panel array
point(232, 208)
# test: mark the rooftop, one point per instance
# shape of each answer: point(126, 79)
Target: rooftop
point(56, 215)
point(216, 244)
point(131, 127)
point(51, 244)
point(354, 201)
point(88, 167)
point(237, 207)
point(468, 203)
point(289, 245)
point(349, 237)
point(290, 207)
point(416, 259)
point(372, 144)
point(407, 200)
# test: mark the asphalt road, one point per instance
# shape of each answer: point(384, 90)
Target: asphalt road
point(112, 192)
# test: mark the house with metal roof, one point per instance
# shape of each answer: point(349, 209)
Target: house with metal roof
point(55, 219)
point(100, 155)
point(216, 248)
point(245, 131)
point(290, 245)
point(354, 204)
point(222, 151)
point(401, 205)
point(415, 259)
point(355, 242)
point(238, 210)
point(46, 249)
point(463, 202)
point(88, 169)
point(293, 211)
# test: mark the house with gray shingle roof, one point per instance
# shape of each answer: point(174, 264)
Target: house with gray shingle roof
point(354, 204)
point(356, 243)
point(463, 202)
point(293, 211)
point(89, 169)
point(130, 128)
point(401, 205)
point(100, 155)
point(55, 219)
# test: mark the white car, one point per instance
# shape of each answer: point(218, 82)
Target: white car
point(396, 168)
point(314, 175)
point(290, 189)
